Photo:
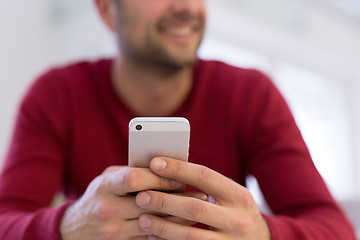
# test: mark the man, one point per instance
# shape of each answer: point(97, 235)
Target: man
point(72, 125)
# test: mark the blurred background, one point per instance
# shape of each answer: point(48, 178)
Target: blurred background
point(310, 48)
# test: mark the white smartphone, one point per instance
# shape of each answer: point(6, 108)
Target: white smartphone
point(151, 137)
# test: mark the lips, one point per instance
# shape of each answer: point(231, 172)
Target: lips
point(180, 27)
point(179, 31)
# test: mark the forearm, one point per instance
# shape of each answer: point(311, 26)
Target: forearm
point(41, 224)
point(321, 227)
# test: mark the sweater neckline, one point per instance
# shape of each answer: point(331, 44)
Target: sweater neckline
point(118, 103)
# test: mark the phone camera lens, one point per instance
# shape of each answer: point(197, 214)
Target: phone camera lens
point(138, 127)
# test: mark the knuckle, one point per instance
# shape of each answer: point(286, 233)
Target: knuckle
point(243, 195)
point(176, 168)
point(192, 235)
point(96, 186)
point(247, 198)
point(195, 209)
point(160, 203)
point(163, 183)
point(121, 230)
point(204, 175)
point(106, 233)
point(132, 180)
point(111, 169)
point(102, 211)
point(161, 229)
point(239, 224)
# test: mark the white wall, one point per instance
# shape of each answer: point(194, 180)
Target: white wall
point(24, 38)
point(315, 37)
point(33, 39)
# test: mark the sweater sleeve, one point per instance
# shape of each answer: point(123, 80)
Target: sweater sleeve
point(280, 161)
point(34, 166)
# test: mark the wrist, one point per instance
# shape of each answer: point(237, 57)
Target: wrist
point(69, 222)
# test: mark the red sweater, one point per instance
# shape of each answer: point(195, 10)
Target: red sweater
point(72, 125)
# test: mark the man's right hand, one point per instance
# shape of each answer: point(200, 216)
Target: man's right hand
point(108, 211)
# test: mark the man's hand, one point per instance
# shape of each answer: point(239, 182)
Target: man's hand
point(108, 211)
point(232, 215)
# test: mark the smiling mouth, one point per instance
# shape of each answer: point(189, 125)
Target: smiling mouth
point(181, 28)
point(180, 31)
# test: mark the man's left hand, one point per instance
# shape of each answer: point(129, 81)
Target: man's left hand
point(232, 213)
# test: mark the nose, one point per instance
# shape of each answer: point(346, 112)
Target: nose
point(186, 6)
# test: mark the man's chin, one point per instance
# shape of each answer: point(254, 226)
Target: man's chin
point(180, 59)
point(179, 64)
point(169, 61)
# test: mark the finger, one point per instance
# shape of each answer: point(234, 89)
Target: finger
point(127, 180)
point(121, 208)
point(172, 231)
point(200, 177)
point(198, 195)
point(178, 220)
point(184, 207)
point(125, 230)
point(132, 229)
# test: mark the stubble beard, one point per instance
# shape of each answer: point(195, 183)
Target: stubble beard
point(159, 57)
point(156, 55)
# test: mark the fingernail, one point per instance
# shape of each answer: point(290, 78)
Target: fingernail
point(142, 199)
point(151, 237)
point(145, 221)
point(158, 164)
point(203, 196)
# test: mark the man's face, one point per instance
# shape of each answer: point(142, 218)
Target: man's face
point(164, 33)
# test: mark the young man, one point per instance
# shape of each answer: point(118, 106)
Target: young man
point(73, 122)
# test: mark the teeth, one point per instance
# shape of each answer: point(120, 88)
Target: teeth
point(180, 31)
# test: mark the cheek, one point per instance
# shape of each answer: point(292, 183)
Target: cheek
point(144, 15)
point(203, 9)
